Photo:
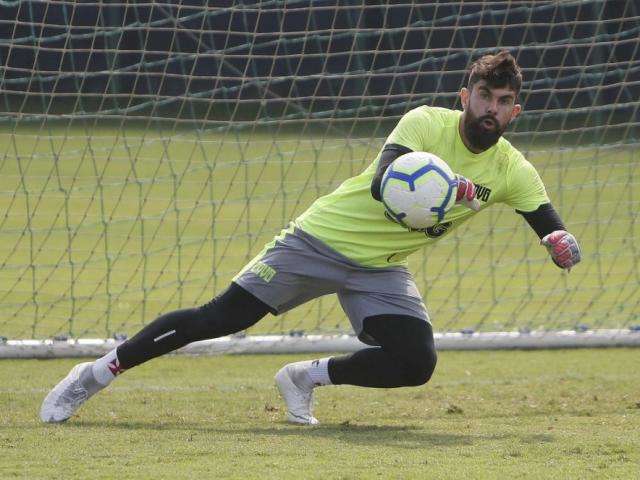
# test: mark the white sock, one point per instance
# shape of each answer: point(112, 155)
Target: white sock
point(318, 371)
point(106, 368)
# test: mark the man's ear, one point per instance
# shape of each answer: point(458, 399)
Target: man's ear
point(517, 108)
point(464, 97)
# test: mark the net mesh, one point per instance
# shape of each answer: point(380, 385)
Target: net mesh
point(149, 150)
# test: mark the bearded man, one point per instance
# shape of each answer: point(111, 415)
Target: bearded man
point(344, 244)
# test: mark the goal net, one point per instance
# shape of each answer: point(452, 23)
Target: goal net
point(149, 150)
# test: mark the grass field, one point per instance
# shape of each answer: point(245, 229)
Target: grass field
point(544, 414)
point(102, 229)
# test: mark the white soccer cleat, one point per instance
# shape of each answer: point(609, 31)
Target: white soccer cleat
point(67, 396)
point(297, 395)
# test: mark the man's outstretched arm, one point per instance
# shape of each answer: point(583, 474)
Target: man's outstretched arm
point(562, 246)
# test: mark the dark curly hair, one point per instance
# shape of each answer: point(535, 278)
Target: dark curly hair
point(499, 70)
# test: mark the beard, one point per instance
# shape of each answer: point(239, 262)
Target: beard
point(479, 136)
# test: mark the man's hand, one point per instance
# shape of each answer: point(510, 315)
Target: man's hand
point(563, 248)
point(466, 194)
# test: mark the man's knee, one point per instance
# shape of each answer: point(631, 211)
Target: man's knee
point(408, 339)
point(421, 366)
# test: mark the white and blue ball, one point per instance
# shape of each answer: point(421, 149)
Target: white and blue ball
point(417, 190)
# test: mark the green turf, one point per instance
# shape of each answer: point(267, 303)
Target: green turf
point(103, 229)
point(544, 414)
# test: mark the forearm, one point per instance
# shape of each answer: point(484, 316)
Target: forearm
point(544, 220)
point(389, 154)
point(561, 245)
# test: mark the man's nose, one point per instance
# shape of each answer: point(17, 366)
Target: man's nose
point(492, 107)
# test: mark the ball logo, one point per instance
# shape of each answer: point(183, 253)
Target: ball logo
point(390, 217)
point(437, 230)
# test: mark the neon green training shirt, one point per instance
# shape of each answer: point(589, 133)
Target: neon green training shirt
point(353, 223)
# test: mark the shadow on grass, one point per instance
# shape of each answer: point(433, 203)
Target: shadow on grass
point(360, 434)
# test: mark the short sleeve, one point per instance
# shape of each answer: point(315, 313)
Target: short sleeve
point(412, 130)
point(525, 190)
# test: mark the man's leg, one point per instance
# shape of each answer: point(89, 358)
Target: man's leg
point(232, 311)
point(406, 357)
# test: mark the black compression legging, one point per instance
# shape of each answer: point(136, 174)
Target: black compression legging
point(406, 356)
point(232, 311)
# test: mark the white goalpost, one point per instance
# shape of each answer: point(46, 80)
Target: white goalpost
point(149, 150)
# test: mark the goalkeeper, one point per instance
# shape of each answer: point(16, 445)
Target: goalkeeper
point(344, 244)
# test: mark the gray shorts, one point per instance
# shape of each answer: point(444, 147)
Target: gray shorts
point(298, 267)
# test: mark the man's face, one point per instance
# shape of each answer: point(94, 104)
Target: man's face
point(487, 113)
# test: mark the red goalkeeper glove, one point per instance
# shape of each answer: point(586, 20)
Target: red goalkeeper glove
point(563, 248)
point(466, 194)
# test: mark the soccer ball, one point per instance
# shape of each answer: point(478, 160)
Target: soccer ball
point(417, 189)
